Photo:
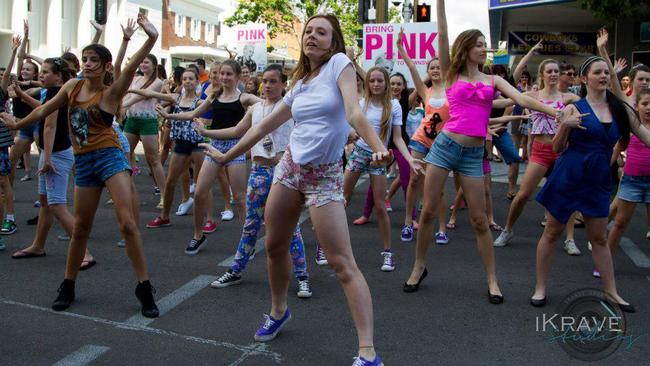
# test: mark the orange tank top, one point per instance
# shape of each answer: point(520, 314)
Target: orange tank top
point(434, 119)
point(90, 127)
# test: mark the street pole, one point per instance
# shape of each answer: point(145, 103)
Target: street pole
point(382, 11)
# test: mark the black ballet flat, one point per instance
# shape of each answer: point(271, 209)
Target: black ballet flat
point(538, 303)
point(414, 288)
point(629, 308)
point(495, 299)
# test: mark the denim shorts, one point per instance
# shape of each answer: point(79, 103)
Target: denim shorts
point(449, 154)
point(635, 189)
point(27, 133)
point(184, 147)
point(418, 147)
point(319, 183)
point(123, 140)
point(54, 185)
point(93, 168)
point(223, 146)
point(360, 162)
point(506, 148)
point(5, 163)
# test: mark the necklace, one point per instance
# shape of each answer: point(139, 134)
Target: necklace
point(267, 142)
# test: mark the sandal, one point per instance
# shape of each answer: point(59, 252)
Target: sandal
point(87, 264)
point(511, 195)
point(450, 225)
point(495, 227)
point(24, 254)
point(361, 221)
point(578, 222)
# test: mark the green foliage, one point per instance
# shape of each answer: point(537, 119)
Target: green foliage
point(279, 15)
point(612, 10)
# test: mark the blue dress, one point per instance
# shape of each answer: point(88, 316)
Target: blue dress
point(581, 179)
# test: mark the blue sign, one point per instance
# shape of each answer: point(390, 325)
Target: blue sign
point(500, 4)
point(553, 43)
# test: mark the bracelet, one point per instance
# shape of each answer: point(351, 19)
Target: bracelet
point(126, 39)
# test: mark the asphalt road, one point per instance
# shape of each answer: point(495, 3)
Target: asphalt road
point(449, 321)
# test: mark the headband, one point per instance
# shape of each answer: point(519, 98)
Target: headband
point(588, 62)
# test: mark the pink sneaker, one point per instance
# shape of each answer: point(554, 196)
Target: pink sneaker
point(209, 227)
point(389, 208)
point(158, 222)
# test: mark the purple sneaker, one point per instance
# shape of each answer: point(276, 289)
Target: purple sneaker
point(442, 238)
point(271, 327)
point(407, 233)
point(360, 361)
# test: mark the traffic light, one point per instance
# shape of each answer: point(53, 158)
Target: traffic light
point(423, 13)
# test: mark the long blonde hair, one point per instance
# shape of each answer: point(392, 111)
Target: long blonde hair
point(386, 101)
point(338, 46)
point(540, 71)
point(459, 51)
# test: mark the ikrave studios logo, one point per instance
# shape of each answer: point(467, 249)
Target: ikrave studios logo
point(588, 325)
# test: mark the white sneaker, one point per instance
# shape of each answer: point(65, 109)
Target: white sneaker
point(388, 265)
point(571, 248)
point(589, 245)
point(504, 238)
point(185, 207)
point(121, 243)
point(647, 236)
point(192, 188)
point(227, 215)
point(304, 289)
point(63, 237)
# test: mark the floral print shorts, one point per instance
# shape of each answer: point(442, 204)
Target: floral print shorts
point(361, 161)
point(319, 183)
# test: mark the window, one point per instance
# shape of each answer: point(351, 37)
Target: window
point(196, 29)
point(180, 25)
point(209, 36)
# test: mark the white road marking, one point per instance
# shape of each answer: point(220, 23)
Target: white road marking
point(252, 348)
point(82, 356)
point(635, 253)
point(174, 299)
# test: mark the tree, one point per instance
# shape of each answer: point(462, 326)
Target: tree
point(280, 15)
point(612, 10)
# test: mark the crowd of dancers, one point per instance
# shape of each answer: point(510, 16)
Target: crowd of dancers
point(309, 141)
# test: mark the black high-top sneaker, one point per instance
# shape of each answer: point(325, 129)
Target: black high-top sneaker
point(144, 292)
point(66, 296)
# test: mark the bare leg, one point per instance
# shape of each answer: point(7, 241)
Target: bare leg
point(623, 218)
point(207, 175)
point(151, 152)
point(238, 180)
point(545, 254)
point(379, 187)
point(533, 175)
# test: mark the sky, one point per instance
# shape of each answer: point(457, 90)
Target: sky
point(462, 15)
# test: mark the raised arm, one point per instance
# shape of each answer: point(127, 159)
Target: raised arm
point(228, 133)
point(415, 75)
point(516, 75)
point(127, 33)
point(117, 90)
point(349, 51)
point(572, 120)
point(34, 58)
point(41, 112)
point(443, 38)
point(99, 29)
point(601, 42)
point(506, 119)
point(16, 42)
point(23, 47)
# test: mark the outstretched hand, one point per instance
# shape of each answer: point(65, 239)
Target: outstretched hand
point(8, 120)
point(98, 27)
point(15, 42)
point(199, 126)
point(603, 37)
point(147, 27)
point(417, 166)
point(161, 111)
point(573, 118)
point(131, 27)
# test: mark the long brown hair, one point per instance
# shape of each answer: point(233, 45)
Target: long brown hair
point(459, 51)
point(540, 71)
point(236, 68)
point(338, 46)
point(386, 101)
point(154, 74)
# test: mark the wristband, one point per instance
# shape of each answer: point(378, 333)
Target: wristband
point(126, 39)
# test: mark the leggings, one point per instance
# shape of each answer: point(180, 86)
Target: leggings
point(404, 177)
point(259, 186)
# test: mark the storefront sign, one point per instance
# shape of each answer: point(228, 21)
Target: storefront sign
point(553, 43)
point(380, 48)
